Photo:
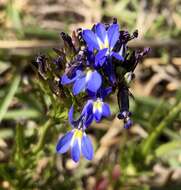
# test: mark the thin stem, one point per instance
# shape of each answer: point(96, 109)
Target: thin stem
point(149, 142)
point(19, 144)
point(42, 136)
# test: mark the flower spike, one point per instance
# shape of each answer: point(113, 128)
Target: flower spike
point(96, 63)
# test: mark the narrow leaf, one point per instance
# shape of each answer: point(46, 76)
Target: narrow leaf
point(8, 98)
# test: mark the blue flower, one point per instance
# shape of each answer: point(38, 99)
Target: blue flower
point(99, 109)
point(76, 139)
point(83, 80)
point(104, 41)
point(78, 142)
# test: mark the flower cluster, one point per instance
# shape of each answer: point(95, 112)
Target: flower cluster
point(96, 63)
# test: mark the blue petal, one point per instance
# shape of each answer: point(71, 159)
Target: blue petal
point(94, 83)
point(118, 56)
point(97, 116)
point(87, 148)
point(101, 31)
point(90, 57)
point(87, 112)
point(90, 38)
point(89, 120)
point(73, 122)
point(105, 92)
point(87, 107)
point(113, 34)
point(91, 94)
point(71, 119)
point(106, 110)
point(75, 151)
point(79, 85)
point(64, 143)
point(100, 57)
point(66, 80)
point(109, 67)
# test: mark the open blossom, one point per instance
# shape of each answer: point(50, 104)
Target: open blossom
point(103, 41)
point(76, 140)
point(83, 80)
point(99, 108)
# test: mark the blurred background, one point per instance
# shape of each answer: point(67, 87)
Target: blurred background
point(147, 157)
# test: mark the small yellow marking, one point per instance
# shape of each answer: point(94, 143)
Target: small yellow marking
point(103, 45)
point(106, 43)
point(78, 133)
point(97, 105)
point(88, 74)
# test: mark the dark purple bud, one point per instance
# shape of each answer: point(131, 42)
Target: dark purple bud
point(124, 115)
point(132, 61)
point(75, 40)
point(59, 62)
point(123, 98)
point(67, 40)
point(59, 52)
point(125, 36)
point(128, 123)
point(79, 35)
point(41, 64)
point(72, 66)
point(123, 102)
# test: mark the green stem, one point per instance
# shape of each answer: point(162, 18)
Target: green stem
point(149, 142)
point(156, 113)
point(42, 136)
point(19, 144)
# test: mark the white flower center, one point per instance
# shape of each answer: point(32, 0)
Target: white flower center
point(97, 105)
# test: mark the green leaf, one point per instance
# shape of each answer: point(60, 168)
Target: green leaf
point(4, 66)
point(13, 14)
point(40, 33)
point(8, 98)
point(148, 144)
point(167, 148)
point(22, 114)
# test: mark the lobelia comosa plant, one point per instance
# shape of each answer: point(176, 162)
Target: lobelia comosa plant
point(91, 65)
